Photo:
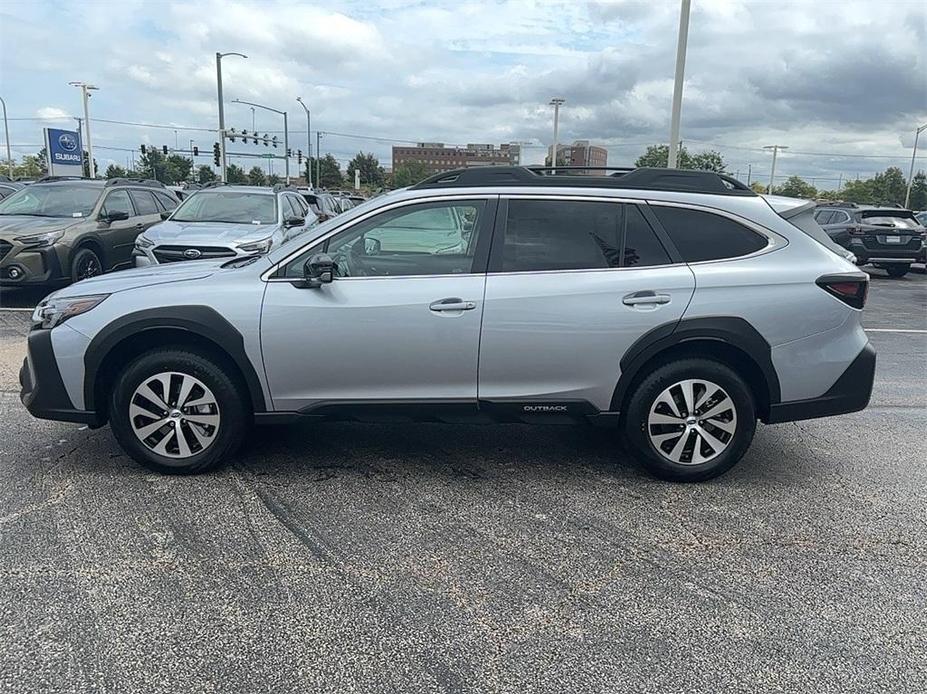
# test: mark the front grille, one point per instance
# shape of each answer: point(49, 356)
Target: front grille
point(5, 247)
point(173, 254)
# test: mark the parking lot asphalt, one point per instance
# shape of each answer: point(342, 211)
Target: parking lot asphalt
point(440, 558)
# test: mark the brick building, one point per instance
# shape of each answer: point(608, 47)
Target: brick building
point(438, 158)
point(580, 153)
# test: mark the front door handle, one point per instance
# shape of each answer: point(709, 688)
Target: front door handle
point(140, 226)
point(645, 297)
point(452, 304)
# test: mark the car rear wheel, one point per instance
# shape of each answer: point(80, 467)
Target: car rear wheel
point(690, 420)
point(176, 411)
point(899, 270)
point(85, 264)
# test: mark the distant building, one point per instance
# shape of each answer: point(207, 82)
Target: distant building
point(438, 158)
point(580, 153)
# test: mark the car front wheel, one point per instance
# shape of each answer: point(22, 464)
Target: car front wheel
point(899, 270)
point(176, 411)
point(85, 264)
point(691, 420)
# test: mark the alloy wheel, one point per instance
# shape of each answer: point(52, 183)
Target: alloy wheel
point(692, 422)
point(89, 266)
point(174, 414)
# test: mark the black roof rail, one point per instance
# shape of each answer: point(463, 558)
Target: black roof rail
point(213, 184)
point(553, 170)
point(676, 180)
point(52, 179)
point(284, 186)
point(147, 182)
point(837, 203)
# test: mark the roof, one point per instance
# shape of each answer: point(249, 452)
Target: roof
point(676, 180)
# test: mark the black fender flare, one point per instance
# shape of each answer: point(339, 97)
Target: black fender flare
point(729, 330)
point(202, 321)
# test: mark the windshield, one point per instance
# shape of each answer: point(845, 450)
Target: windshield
point(229, 206)
point(901, 219)
point(59, 200)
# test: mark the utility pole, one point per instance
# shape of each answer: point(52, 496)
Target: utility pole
point(286, 148)
point(772, 173)
point(308, 141)
point(6, 129)
point(677, 86)
point(318, 158)
point(749, 173)
point(84, 88)
point(219, 57)
point(907, 195)
point(556, 102)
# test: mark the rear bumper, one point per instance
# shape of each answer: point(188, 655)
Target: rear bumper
point(42, 390)
point(850, 393)
point(884, 252)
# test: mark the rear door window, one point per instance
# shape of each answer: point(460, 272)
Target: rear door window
point(701, 236)
point(824, 216)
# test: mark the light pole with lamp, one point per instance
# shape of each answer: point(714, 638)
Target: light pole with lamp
point(84, 88)
point(672, 155)
point(556, 102)
point(907, 195)
point(286, 134)
point(772, 172)
point(308, 140)
point(219, 57)
point(6, 129)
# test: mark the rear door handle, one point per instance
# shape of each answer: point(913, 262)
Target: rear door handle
point(645, 297)
point(452, 304)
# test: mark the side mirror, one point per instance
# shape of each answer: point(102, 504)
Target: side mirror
point(115, 216)
point(166, 213)
point(318, 270)
point(371, 246)
point(291, 222)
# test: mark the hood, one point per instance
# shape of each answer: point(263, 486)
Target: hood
point(22, 225)
point(142, 277)
point(205, 233)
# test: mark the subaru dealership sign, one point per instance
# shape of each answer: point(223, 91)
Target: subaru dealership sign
point(64, 154)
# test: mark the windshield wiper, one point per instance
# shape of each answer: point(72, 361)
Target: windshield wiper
point(31, 214)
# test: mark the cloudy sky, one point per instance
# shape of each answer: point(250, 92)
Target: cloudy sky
point(825, 78)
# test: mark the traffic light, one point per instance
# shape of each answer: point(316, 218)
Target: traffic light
point(289, 153)
point(232, 135)
point(266, 141)
point(144, 149)
point(164, 149)
point(216, 154)
point(299, 157)
point(196, 151)
point(274, 141)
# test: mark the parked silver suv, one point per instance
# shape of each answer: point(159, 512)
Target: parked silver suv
point(677, 306)
point(224, 221)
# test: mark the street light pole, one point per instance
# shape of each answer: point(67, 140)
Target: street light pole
point(677, 87)
point(308, 141)
point(318, 158)
point(556, 102)
point(6, 129)
point(84, 88)
point(907, 195)
point(772, 173)
point(219, 57)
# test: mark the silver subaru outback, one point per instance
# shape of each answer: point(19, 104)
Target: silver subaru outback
point(676, 306)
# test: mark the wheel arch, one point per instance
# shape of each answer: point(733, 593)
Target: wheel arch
point(730, 340)
point(92, 242)
point(199, 327)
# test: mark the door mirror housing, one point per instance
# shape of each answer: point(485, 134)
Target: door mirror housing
point(291, 222)
point(371, 246)
point(166, 213)
point(318, 270)
point(115, 216)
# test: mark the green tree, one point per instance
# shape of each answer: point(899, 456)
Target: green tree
point(178, 168)
point(30, 167)
point(205, 174)
point(235, 174)
point(409, 174)
point(115, 171)
point(919, 192)
point(256, 176)
point(329, 172)
point(273, 180)
point(829, 195)
point(796, 187)
point(758, 187)
point(152, 165)
point(886, 188)
point(371, 173)
point(658, 156)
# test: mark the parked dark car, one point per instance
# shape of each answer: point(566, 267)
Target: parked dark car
point(890, 238)
point(323, 204)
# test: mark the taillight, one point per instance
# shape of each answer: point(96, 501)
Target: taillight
point(850, 289)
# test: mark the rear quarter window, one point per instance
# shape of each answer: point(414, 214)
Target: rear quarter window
point(701, 236)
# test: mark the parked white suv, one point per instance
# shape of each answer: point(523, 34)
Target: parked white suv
point(677, 306)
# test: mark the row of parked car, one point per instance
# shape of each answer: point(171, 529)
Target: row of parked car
point(68, 229)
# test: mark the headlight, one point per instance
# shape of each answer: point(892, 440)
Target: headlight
point(262, 246)
point(142, 242)
point(52, 312)
point(45, 239)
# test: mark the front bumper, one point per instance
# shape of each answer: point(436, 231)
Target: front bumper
point(28, 265)
point(850, 393)
point(42, 390)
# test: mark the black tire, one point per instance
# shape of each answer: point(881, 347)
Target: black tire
point(898, 270)
point(228, 434)
point(649, 390)
point(85, 263)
